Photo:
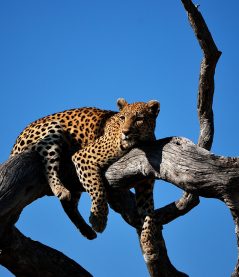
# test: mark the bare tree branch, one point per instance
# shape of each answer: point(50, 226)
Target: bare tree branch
point(189, 167)
point(206, 76)
point(207, 71)
point(175, 160)
point(205, 111)
point(182, 163)
point(22, 181)
point(205, 99)
point(23, 175)
point(28, 258)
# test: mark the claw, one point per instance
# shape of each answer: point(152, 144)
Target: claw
point(64, 194)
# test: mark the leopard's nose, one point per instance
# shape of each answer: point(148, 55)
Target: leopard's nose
point(125, 134)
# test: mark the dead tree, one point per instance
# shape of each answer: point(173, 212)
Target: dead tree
point(176, 160)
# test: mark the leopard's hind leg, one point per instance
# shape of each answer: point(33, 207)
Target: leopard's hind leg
point(49, 147)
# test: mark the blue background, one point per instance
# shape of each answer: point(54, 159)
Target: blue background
point(56, 55)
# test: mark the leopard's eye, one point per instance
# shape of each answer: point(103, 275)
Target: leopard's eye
point(122, 117)
point(139, 118)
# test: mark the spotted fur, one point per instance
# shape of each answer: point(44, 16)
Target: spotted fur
point(96, 138)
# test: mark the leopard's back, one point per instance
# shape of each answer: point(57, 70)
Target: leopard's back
point(78, 126)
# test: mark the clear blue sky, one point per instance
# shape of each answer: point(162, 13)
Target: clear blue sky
point(56, 55)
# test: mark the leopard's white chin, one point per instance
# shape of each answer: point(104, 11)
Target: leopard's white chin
point(127, 142)
point(124, 137)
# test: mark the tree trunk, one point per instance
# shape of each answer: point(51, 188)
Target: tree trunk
point(175, 160)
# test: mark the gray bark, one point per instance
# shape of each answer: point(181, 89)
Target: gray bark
point(182, 163)
point(22, 181)
point(175, 160)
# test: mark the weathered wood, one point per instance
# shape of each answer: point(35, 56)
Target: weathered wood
point(211, 56)
point(18, 187)
point(27, 258)
point(175, 160)
point(182, 163)
point(191, 168)
point(205, 97)
point(22, 181)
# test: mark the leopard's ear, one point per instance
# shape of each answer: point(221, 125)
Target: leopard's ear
point(154, 107)
point(121, 102)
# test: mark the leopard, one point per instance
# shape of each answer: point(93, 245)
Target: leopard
point(95, 139)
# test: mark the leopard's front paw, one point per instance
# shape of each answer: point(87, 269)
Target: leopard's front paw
point(98, 222)
point(62, 193)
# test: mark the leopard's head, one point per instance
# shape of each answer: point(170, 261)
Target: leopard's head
point(138, 121)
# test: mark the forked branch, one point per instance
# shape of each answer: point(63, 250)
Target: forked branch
point(175, 160)
point(205, 101)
